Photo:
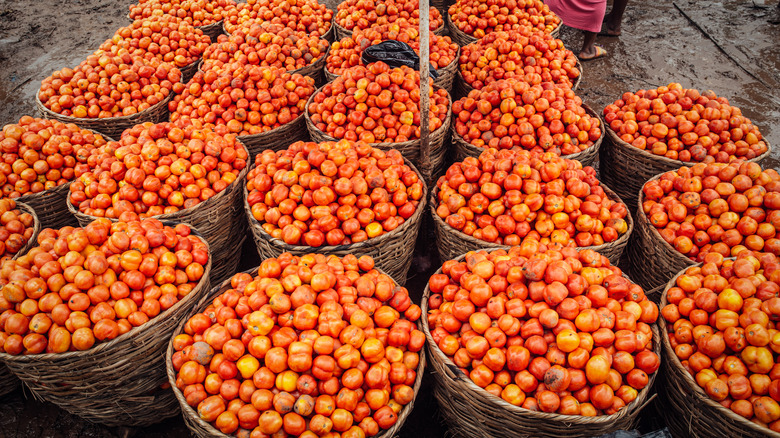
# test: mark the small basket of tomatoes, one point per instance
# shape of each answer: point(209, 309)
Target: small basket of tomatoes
point(543, 341)
point(339, 363)
point(381, 106)
point(58, 152)
point(720, 345)
point(183, 175)
point(89, 333)
point(514, 114)
point(657, 130)
point(506, 197)
point(300, 201)
point(691, 211)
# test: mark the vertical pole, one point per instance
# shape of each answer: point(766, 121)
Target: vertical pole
point(425, 149)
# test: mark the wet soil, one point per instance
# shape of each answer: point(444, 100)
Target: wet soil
point(730, 47)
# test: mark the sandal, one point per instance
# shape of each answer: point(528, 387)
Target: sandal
point(600, 52)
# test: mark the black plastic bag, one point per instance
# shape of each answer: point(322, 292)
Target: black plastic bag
point(395, 54)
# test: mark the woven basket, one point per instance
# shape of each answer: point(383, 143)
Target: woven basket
point(627, 168)
point(587, 157)
point(203, 429)
point(219, 219)
point(462, 89)
point(653, 261)
point(276, 139)
point(50, 206)
point(392, 251)
point(451, 242)
point(112, 126)
point(692, 413)
point(470, 411)
point(116, 383)
point(409, 149)
point(36, 229)
point(8, 382)
point(188, 71)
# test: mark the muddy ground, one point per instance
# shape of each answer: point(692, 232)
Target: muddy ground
point(730, 47)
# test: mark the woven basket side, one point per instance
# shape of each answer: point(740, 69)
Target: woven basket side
point(202, 429)
point(8, 382)
point(457, 35)
point(33, 240)
point(117, 382)
point(51, 206)
point(693, 413)
point(276, 139)
point(472, 411)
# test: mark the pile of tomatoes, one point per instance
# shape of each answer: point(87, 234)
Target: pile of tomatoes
point(481, 17)
point(166, 38)
point(720, 321)
point(301, 15)
point(82, 286)
point(365, 14)
point(157, 169)
point(683, 124)
point(266, 45)
point(506, 196)
point(241, 100)
point(518, 54)
point(16, 228)
point(508, 114)
point(41, 154)
point(332, 193)
point(310, 345)
point(716, 207)
point(376, 104)
point(347, 52)
point(550, 330)
point(195, 12)
point(108, 85)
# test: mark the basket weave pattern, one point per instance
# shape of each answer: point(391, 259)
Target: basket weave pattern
point(8, 382)
point(219, 219)
point(653, 261)
point(452, 243)
point(392, 251)
point(628, 168)
point(276, 139)
point(116, 383)
point(470, 411)
point(692, 412)
point(203, 429)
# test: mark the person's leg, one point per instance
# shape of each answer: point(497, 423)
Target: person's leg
point(589, 49)
point(615, 17)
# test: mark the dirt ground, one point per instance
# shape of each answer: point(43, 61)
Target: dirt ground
point(730, 47)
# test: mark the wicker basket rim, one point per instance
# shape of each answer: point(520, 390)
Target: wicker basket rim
point(36, 229)
point(268, 133)
point(192, 210)
point(668, 162)
point(698, 393)
point(642, 399)
point(215, 291)
point(97, 348)
point(373, 242)
point(485, 244)
point(409, 143)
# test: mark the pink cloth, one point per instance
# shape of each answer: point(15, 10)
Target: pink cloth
point(580, 14)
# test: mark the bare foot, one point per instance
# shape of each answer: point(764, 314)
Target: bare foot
point(593, 53)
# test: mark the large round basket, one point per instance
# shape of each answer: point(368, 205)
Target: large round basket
point(690, 411)
point(627, 168)
point(652, 260)
point(117, 383)
point(343, 32)
point(8, 382)
point(470, 411)
point(587, 157)
point(203, 429)
point(219, 219)
point(409, 149)
point(452, 243)
point(462, 89)
point(392, 251)
point(111, 126)
point(24, 208)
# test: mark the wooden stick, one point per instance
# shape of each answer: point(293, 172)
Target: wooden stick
point(425, 48)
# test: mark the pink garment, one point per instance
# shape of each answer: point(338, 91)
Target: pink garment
point(580, 14)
